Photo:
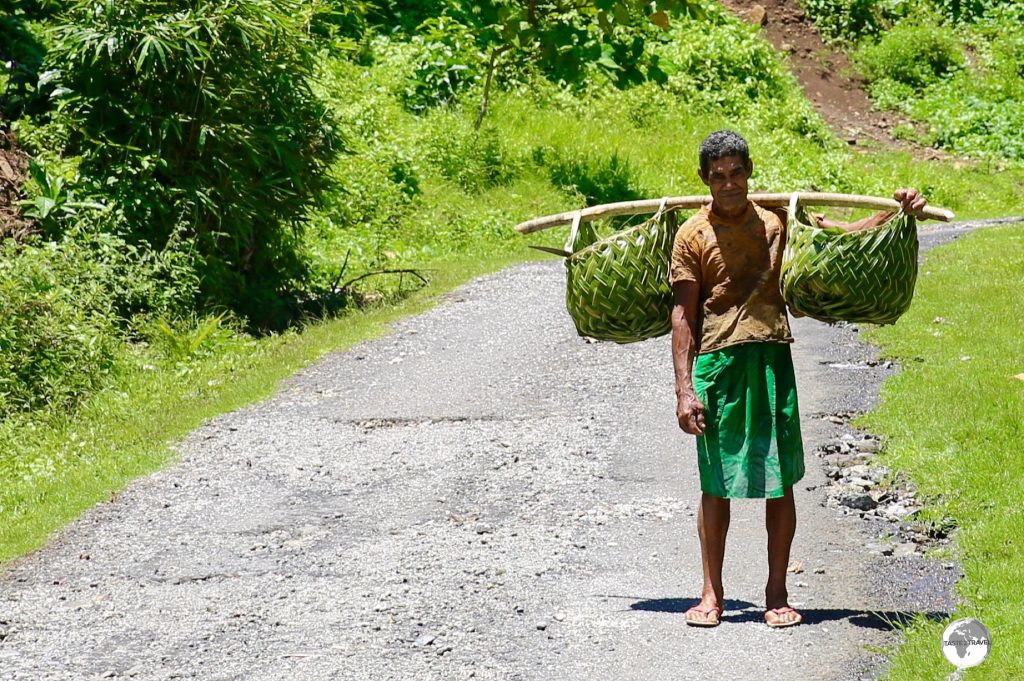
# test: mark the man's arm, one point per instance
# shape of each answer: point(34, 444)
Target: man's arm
point(689, 409)
point(910, 199)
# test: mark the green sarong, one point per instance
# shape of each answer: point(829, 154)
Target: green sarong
point(751, 446)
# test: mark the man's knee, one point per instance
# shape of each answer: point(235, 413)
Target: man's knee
point(718, 503)
point(787, 496)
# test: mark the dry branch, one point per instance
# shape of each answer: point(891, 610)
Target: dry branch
point(415, 273)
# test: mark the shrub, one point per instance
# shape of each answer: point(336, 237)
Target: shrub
point(137, 281)
point(197, 120)
point(853, 20)
point(974, 121)
point(720, 63)
point(373, 184)
point(913, 55)
point(597, 178)
point(921, 70)
point(340, 18)
point(408, 15)
point(57, 330)
point(845, 20)
point(971, 10)
point(21, 54)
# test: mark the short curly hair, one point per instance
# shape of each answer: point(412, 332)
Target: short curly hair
point(721, 144)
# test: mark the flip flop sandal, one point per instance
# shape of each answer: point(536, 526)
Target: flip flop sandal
point(704, 622)
point(782, 611)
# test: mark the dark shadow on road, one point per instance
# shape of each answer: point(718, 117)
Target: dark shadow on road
point(882, 620)
point(679, 605)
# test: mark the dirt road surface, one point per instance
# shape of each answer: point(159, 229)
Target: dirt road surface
point(480, 495)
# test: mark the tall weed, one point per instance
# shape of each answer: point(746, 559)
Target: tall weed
point(595, 178)
point(58, 340)
point(474, 160)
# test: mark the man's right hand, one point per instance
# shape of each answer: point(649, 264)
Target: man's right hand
point(690, 412)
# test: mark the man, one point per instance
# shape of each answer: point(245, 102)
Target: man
point(734, 372)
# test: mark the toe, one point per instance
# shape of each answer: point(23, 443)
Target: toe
point(703, 613)
point(784, 615)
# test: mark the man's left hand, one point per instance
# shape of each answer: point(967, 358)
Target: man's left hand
point(911, 201)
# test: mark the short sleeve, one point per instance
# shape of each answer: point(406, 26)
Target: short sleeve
point(685, 265)
point(781, 213)
point(783, 216)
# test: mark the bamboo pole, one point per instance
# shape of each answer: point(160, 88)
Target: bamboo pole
point(608, 210)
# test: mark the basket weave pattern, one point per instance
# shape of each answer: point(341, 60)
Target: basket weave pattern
point(617, 288)
point(834, 275)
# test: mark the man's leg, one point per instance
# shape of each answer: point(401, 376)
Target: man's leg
point(780, 520)
point(712, 527)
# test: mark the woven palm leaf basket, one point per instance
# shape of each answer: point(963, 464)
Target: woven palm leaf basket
point(833, 275)
point(617, 287)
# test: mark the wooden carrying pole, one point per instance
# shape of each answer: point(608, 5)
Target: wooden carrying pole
point(608, 210)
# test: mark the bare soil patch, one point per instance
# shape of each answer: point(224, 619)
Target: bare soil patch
point(825, 73)
point(13, 169)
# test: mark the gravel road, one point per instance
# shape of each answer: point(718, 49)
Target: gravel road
point(481, 494)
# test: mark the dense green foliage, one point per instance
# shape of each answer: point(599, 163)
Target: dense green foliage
point(21, 52)
point(64, 309)
point(847, 19)
point(850, 20)
point(566, 40)
point(54, 328)
point(197, 121)
point(913, 56)
point(955, 68)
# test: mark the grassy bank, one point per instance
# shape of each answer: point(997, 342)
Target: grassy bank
point(953, 419)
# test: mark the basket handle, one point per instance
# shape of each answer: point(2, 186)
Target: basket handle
point(570, 243)
point(661, 208)
point(793, 200)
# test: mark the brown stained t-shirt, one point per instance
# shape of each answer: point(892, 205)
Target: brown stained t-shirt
point(737, 264)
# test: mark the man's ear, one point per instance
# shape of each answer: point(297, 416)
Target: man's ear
point(703, 177)
point(750, 169)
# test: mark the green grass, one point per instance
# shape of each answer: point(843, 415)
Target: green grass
point(972, 190)
point(55, 467)
point(953, 419)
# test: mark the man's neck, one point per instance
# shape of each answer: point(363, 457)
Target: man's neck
point(730, 214)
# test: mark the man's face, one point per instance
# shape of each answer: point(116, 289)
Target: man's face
point(727, 178)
